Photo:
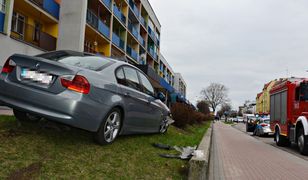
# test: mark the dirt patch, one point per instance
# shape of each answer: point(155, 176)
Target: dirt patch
point(29, 172)
point(13, 133)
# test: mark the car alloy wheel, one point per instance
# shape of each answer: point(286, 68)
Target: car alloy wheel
point(163, 126)
point(112, 126)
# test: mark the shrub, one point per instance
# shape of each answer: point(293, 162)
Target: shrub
point(184, 115)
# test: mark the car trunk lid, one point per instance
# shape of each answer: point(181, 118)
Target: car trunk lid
point(40, 73)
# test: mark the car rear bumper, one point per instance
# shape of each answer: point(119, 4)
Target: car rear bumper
point(266, 130)
point(67, 107)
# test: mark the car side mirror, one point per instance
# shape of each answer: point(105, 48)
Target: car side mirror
point(161, 96)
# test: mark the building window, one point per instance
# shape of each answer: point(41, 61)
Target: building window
point(18, 23)
point(2, 5)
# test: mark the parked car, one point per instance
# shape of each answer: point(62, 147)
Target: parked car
point(98, 94)
point(247, 116)
point(263, 127)
point(240, 119)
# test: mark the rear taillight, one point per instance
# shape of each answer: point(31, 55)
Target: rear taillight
point(9, 66)
point(263, 125)
point(79, 84)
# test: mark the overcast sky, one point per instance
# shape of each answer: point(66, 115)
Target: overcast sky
point(239, 43)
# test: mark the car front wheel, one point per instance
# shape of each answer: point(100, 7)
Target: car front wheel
point(164, 126)
point(110, 128)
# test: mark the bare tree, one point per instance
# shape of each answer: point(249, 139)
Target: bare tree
point(215, 94)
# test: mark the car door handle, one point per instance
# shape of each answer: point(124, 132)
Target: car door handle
point(127, 94)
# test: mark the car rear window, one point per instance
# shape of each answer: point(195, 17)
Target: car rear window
point(89, 62)
point(78, 59)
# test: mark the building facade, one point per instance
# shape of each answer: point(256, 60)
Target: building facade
point(263, 98)
point(180, 85)
point(119, 28)
point(124, 29)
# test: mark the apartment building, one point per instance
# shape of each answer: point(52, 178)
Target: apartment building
point(125, 29)
point(121, 28)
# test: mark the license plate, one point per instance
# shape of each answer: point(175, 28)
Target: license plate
point(40, 77)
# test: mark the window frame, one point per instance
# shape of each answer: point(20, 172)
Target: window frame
point(126, 84)
point(116, 72)
point(141, 83)
point(14, 27)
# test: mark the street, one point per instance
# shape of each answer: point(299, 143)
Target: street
point(270, 140)
point(238, 155)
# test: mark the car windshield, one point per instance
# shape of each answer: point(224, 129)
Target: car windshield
point(267, 121)
point(78, 59)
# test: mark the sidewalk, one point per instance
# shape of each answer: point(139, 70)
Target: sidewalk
point(235, 155)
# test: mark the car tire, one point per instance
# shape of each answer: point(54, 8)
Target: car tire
point(110, 128)
point(302, 142)
point(163, 128)
point(281, 140)
point(23, 116)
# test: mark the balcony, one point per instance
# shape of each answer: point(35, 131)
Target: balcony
point(117, 41)
point(119, 14)
point(107, 3)
point(154, 77)
point(134, 8)
point(141, 40)
point(152, 53)
point(142, 21)
point(2, 18)
point(97, 24)
point(132, 53)
point(133, 30)
point(50, 6)
point(36, 37)
point(151, 33)
point(166, 85)
point(157, 42)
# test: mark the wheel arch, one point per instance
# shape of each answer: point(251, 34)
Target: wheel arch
point(277, 127)
point(301, 122)
point(121, 108)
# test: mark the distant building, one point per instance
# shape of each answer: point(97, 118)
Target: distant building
point(180, 85)
point(249, 107)
point(259, 102)
point(263, 98)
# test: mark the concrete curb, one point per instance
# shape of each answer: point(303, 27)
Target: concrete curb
point(198, 166)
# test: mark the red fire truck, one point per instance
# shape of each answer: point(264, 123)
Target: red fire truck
point(289, 112)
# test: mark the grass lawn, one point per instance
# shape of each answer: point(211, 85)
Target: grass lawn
point(33, 152)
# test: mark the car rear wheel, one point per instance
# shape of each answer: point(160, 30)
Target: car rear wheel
point(280, 140)
point(23, 116)
point(302, 142)
point(110, 128)
point(164, 126)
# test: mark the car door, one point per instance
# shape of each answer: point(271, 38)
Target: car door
point(155, 115)
point(136, 108)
